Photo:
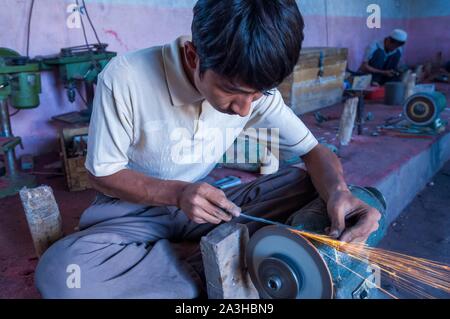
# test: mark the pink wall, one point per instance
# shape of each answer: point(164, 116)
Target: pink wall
point(428, 36)
point(124, 27)
point(349, 32)
point(130, 27)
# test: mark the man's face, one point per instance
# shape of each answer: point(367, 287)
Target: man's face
point(225, 96)
point(392, 45)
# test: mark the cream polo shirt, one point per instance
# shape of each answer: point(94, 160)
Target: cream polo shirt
point(148, 117)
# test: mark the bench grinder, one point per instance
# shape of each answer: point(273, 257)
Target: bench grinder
point(284, 265)
point(421, 115)
point(423, 110)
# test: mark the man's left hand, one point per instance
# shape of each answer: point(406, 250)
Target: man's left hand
point(352, 220)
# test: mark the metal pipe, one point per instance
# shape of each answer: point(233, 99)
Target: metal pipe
point(5, 124)
point(5, 127)
point(10, 159)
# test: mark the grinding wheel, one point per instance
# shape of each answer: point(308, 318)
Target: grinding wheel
point(423, 108)
point(284, 265)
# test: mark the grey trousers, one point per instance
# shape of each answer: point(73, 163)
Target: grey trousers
point(126, 250)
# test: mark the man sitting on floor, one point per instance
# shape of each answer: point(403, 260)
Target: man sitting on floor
point(152, 108)
point(382, 58)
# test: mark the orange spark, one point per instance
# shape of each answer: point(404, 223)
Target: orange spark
point(405, 270)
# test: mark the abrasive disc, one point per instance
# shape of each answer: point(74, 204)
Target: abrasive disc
point(284, 265)
point(420, 109)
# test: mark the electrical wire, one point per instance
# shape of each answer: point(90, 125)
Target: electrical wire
point(91, 53)
point(83, 28)
point(81, 96)
point(326, 21)
point(14, 113)
point(30, 14)
point(90, 22)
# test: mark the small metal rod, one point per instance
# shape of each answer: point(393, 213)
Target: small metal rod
point(265, 221)
point(5, 127)
point(5, 124)
point(360, 112)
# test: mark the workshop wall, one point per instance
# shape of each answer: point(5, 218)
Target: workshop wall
point(429, 27)
point(133, 24)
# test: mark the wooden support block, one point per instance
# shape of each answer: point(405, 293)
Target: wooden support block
point(43, 217)
point(223, 252)
point(347, 121)
point(75, 172)
point(317, 80)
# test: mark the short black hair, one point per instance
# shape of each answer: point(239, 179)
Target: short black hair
point(257, 42)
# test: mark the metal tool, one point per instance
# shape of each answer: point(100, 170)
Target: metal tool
point(283, 264)
point(227, 182)
point(20, 86)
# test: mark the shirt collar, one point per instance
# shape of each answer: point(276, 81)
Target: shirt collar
point(181, 90)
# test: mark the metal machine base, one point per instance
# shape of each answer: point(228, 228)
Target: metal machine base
point(12, 185)
point(74, 117)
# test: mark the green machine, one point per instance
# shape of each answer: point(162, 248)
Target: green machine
point(20, 86)
point(78, 65)
point(423, 111)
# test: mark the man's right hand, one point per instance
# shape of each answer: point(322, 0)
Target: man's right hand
point(204, 203)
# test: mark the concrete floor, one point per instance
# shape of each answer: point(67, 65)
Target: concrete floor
point(17, 255)
point(423, 229)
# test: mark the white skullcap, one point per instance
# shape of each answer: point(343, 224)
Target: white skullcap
point(399, 35)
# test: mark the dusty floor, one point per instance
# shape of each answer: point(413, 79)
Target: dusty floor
point(17, 257)
point(423, 229)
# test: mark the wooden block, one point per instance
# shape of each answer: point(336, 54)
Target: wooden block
point(304, 90)
point(223, 252)
point(43, 217)
point(347, 121)
point(75, 172)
